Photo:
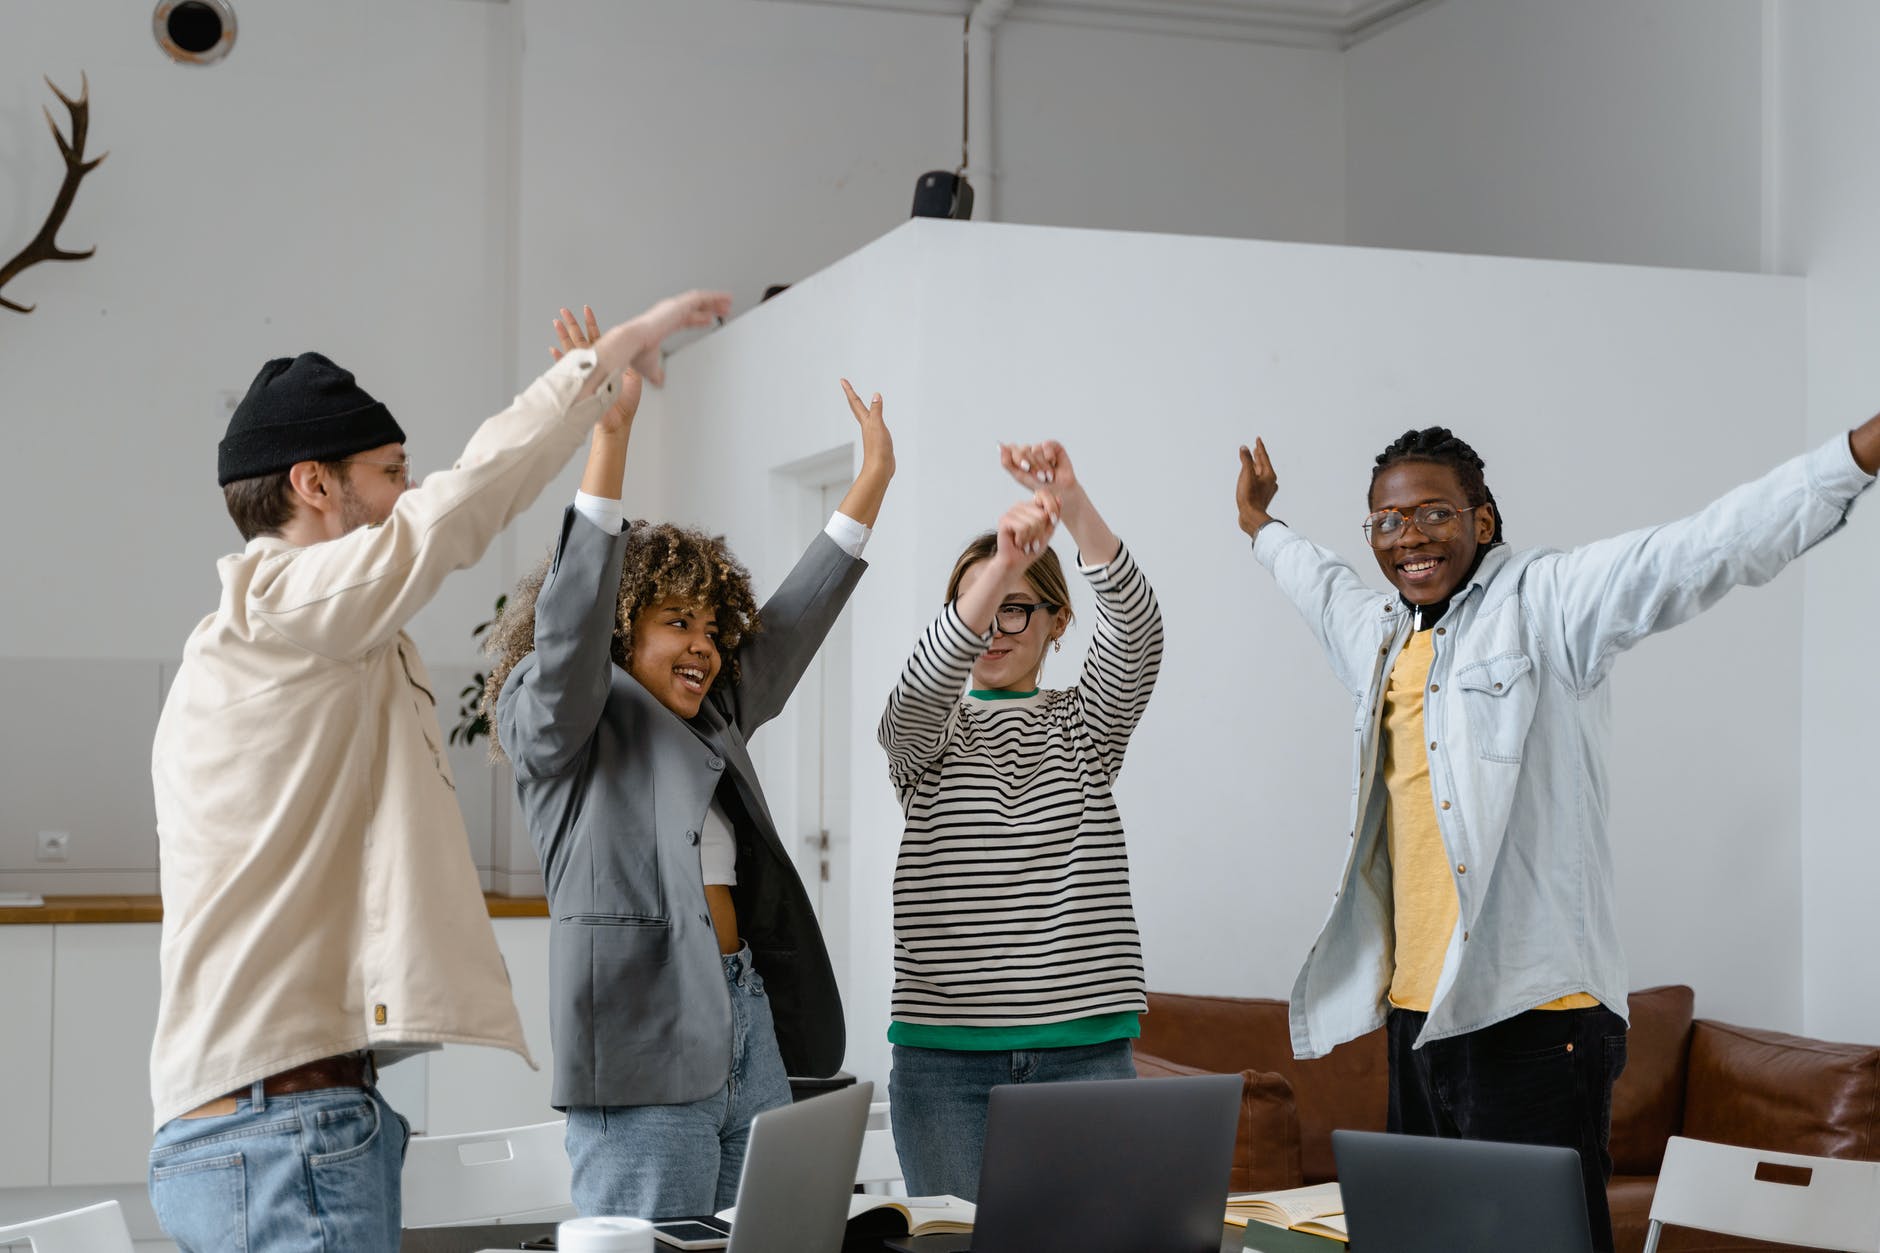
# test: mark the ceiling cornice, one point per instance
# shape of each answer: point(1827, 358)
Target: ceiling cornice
point(1289, 23)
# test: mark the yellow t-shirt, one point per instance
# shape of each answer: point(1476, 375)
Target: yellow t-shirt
point(1424, 897)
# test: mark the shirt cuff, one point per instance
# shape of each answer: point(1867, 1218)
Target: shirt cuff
point(602, 512)
point(850, 536)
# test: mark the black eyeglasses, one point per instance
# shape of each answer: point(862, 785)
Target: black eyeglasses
point(1385, 527)
point(1013, 619)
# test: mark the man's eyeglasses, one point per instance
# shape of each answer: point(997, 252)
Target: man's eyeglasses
point(397, 471)
point(1012, 619)
point(1385, 527)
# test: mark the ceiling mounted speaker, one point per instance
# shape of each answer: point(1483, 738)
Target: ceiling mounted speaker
point(194, 32)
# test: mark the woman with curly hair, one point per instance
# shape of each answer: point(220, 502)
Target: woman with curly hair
point(631, 671)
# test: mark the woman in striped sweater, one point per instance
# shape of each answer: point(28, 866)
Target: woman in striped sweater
point(1017, 958)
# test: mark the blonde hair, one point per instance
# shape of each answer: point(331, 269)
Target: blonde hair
point(1046, 574)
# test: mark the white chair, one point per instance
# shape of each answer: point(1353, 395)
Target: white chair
point(95, 1229)
point(878, 1171)
point(1816, 1202)
point(488, 1177)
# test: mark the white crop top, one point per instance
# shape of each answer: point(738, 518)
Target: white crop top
point(718, 847)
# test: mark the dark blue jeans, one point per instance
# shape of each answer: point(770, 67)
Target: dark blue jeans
point(1543, 1077)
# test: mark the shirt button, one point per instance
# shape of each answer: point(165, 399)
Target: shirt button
point(691, 837)
point(1432, 746)
point(1461, 869)
point(1498, 687)
point(1435, 687)
point(1445, 804)
point(1442, 630)
point(1384, 651)
point(715, 762)
point(705, 918)
point(1465, 937)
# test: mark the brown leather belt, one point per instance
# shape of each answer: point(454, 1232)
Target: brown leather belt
point(346, 1071)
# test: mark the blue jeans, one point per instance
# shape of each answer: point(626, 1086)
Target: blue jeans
point(671, 1161)
point(1541, 1077)
point(937, 1103)
point(310, 1171)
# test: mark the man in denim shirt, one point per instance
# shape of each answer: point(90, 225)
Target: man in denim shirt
point(1481, 729)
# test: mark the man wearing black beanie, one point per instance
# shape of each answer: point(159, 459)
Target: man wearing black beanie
point(322, 915)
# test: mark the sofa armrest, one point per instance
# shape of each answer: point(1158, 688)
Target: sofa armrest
point(1266, 1143)
point(1771, 1090)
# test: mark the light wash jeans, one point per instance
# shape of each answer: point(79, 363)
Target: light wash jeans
point(311, 1171)
point(675, 1161)
point(937, 1103)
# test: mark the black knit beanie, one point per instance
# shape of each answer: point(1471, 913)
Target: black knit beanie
point(301, 408)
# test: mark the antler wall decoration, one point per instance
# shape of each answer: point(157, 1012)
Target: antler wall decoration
point(44, 246)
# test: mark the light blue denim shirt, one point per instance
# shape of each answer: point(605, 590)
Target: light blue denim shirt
point(1518, 704)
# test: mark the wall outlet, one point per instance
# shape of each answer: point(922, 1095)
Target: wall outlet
point(53, 846)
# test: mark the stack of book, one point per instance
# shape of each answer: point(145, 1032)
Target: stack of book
point(1297, 1220)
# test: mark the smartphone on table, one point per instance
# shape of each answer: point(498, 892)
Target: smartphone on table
point(693, 1233)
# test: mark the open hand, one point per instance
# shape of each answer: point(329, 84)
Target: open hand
point(1026, 529)
point(877, 443)
point(571, 334)
point(1257, 486)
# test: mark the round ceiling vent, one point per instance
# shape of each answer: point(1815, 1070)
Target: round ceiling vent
point(194, 32)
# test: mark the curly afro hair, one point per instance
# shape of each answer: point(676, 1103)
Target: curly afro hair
point(662, 562)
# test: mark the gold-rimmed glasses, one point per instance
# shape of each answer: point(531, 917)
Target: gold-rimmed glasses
point(1384, 529)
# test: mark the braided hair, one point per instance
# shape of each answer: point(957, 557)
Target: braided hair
point(1438, 445)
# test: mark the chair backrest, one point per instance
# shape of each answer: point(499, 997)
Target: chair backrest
point(95, 1229)
point(879, 1167)
point(1817, 1202)
point(488, 1177)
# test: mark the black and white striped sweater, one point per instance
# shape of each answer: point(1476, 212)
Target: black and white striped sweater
point(1011, 891)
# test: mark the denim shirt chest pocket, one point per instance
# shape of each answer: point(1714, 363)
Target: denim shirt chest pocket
point(1498, 694)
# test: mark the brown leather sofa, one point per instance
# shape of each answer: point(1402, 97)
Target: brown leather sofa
point(1698, 1078)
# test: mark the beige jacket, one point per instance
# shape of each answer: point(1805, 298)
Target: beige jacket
point(318, 891)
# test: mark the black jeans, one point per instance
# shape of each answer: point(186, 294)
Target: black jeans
point(1543, 1077)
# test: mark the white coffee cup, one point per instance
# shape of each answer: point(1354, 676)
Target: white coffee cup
point(604, 1235)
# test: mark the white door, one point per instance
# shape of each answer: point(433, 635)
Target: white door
point(830, 888)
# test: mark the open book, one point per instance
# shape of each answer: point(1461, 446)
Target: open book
point(899, 1215)
point(908, 1215)
point(1317, 1210)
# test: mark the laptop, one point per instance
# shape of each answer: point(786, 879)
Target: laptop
point(1103, 1166)
point(1419, 1194)
point(799, 1172)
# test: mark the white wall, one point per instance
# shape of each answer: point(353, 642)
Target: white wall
point(1598, 130)
point(413, 188)
point(1237, 787)
point(1831, 133)
point(339, 183)
point(1168, 133)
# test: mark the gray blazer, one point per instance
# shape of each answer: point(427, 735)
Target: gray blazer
point(615, 788)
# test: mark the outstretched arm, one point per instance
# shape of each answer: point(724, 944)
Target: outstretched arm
point(636, 344)
point(862, 502)
point(1341, 611)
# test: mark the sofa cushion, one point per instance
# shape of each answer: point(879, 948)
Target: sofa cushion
point(1266, 1143)
point(1769, 1090)
point(1347, 1088)
point(1648, 1100)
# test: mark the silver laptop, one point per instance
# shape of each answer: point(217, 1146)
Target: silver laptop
point(799, 1172)
point(1107, 1166)
point(1418, 1194)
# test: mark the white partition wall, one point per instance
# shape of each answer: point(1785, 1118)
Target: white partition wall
point(1602, 397)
